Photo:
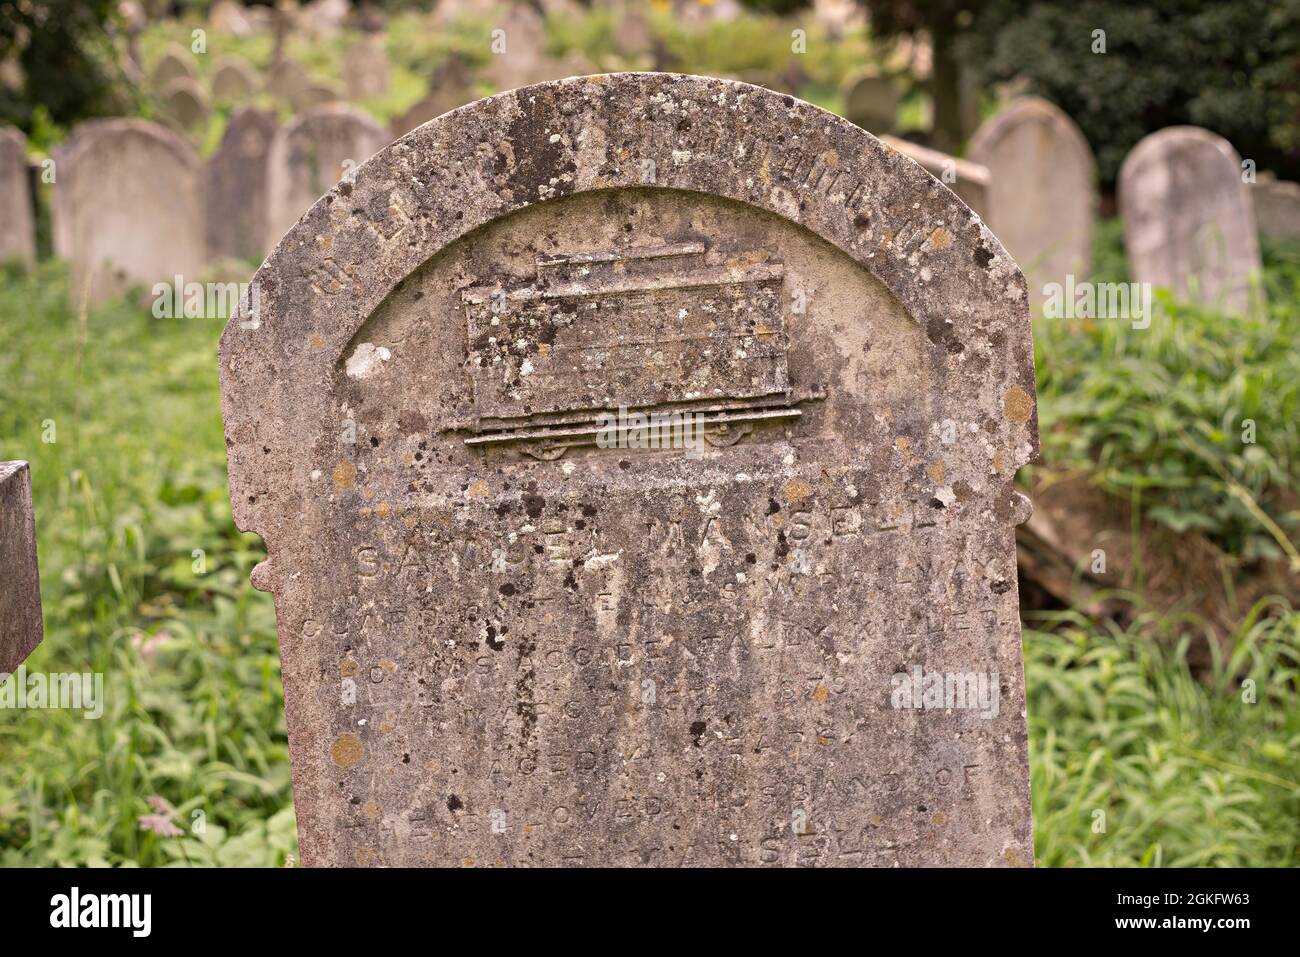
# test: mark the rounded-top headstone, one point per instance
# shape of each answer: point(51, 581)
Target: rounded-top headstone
point(1188, 221)
point(1042, 192)
point(185, 104)
point(310, 155)
point(127, 206)
point(511, 632)
point(233, 80)
point(176, 63)
point(871, 101)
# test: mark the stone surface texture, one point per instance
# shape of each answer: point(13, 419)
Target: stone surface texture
point(20, 587)
point(968, 180)
point(1189, 224)
point(1042, 195)
point(503, 644)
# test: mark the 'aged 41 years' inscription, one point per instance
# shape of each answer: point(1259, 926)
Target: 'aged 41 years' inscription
point(634, 457)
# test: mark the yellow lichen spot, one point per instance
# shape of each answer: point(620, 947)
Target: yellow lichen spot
point(388, 665)
point(364, 856)
point(763, 332)
point(1017, 405)
point(345, 476)
point(382, 509)
point(467, 862)
point(388, 726)
point(831, 158)
point(901, 443)
point(823, 741)
point(543, 349)
point(316, 343)
point(478, 489)
point(1012, 857)
point(997, 461)
point(346, 750)
point(939, 820)
point(940, 239)
point(371, 809)
point(936, 471)
point(347, 667)
point(887, 240)
point(820, 694)
point(796, 490)
point(778, 520)
point(875, 820)
point(764, 174)
point(408, 458)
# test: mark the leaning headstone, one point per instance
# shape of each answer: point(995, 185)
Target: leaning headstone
point(871, 101)
point(236, 193)
point(186, 105)
point(1277, 206)
point(176, 63)
point(21, 627)
point(234, 80)
point(366, 67)
point(785, 633)
point(968, 180)
point(1188, 221)
point(127, 206)
point(1042, 190)
point(18, 230)
point(310, 155)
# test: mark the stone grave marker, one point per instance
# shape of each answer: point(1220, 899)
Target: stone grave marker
point(521, 57)
point(236, 193)
point(186, 105)
point(18, 232)
point(513, 634)
point(1042, 194)
point(176, 63)
point(1277, 206)
point(233, 80)
point(21, 627)
point(316, 94)
point(1188, 221)
point(287, 80)
point(366, 67)
point(871, 101)
point(968, 180)
point(127, 206)
point(310, 155)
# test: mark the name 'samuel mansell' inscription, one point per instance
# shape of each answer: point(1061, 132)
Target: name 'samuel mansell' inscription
point(508, 641)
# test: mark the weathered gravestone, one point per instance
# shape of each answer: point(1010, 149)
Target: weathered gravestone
point(176, 63)
point(127, 206)
point(366, 67)
point(287, 80)
point(871, 101)
point(1277, 206)
point(517, 43)
point(1042, 193)
point(1188, 221)
point(236, 192)
point(310, 155)
point(508, 640)
point(21, 628)
point(968, 180)
point(233, 80)
point(185, 105)
point(17, 227)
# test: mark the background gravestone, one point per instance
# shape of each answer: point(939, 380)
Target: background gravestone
point(127, 206)
point(523, 59)
point(1277, 206)
point(17, 227)
point(1042, 194)
point(1188, 221)
point(366, 67)
point(186, 105)
point(309, 155)
point(176, 63)
point(233, 80)
point(968, 180)
point(236, 194)
point(21, 627)
point(871, 101)
point(287, 80)
point(502, 644)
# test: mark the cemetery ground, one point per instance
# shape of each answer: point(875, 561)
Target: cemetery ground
point(1147, 745)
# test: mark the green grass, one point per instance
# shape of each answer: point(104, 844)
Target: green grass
point(1184, 770)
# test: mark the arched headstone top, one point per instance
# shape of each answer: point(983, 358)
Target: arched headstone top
point(1027, 109)
point(504, 153)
